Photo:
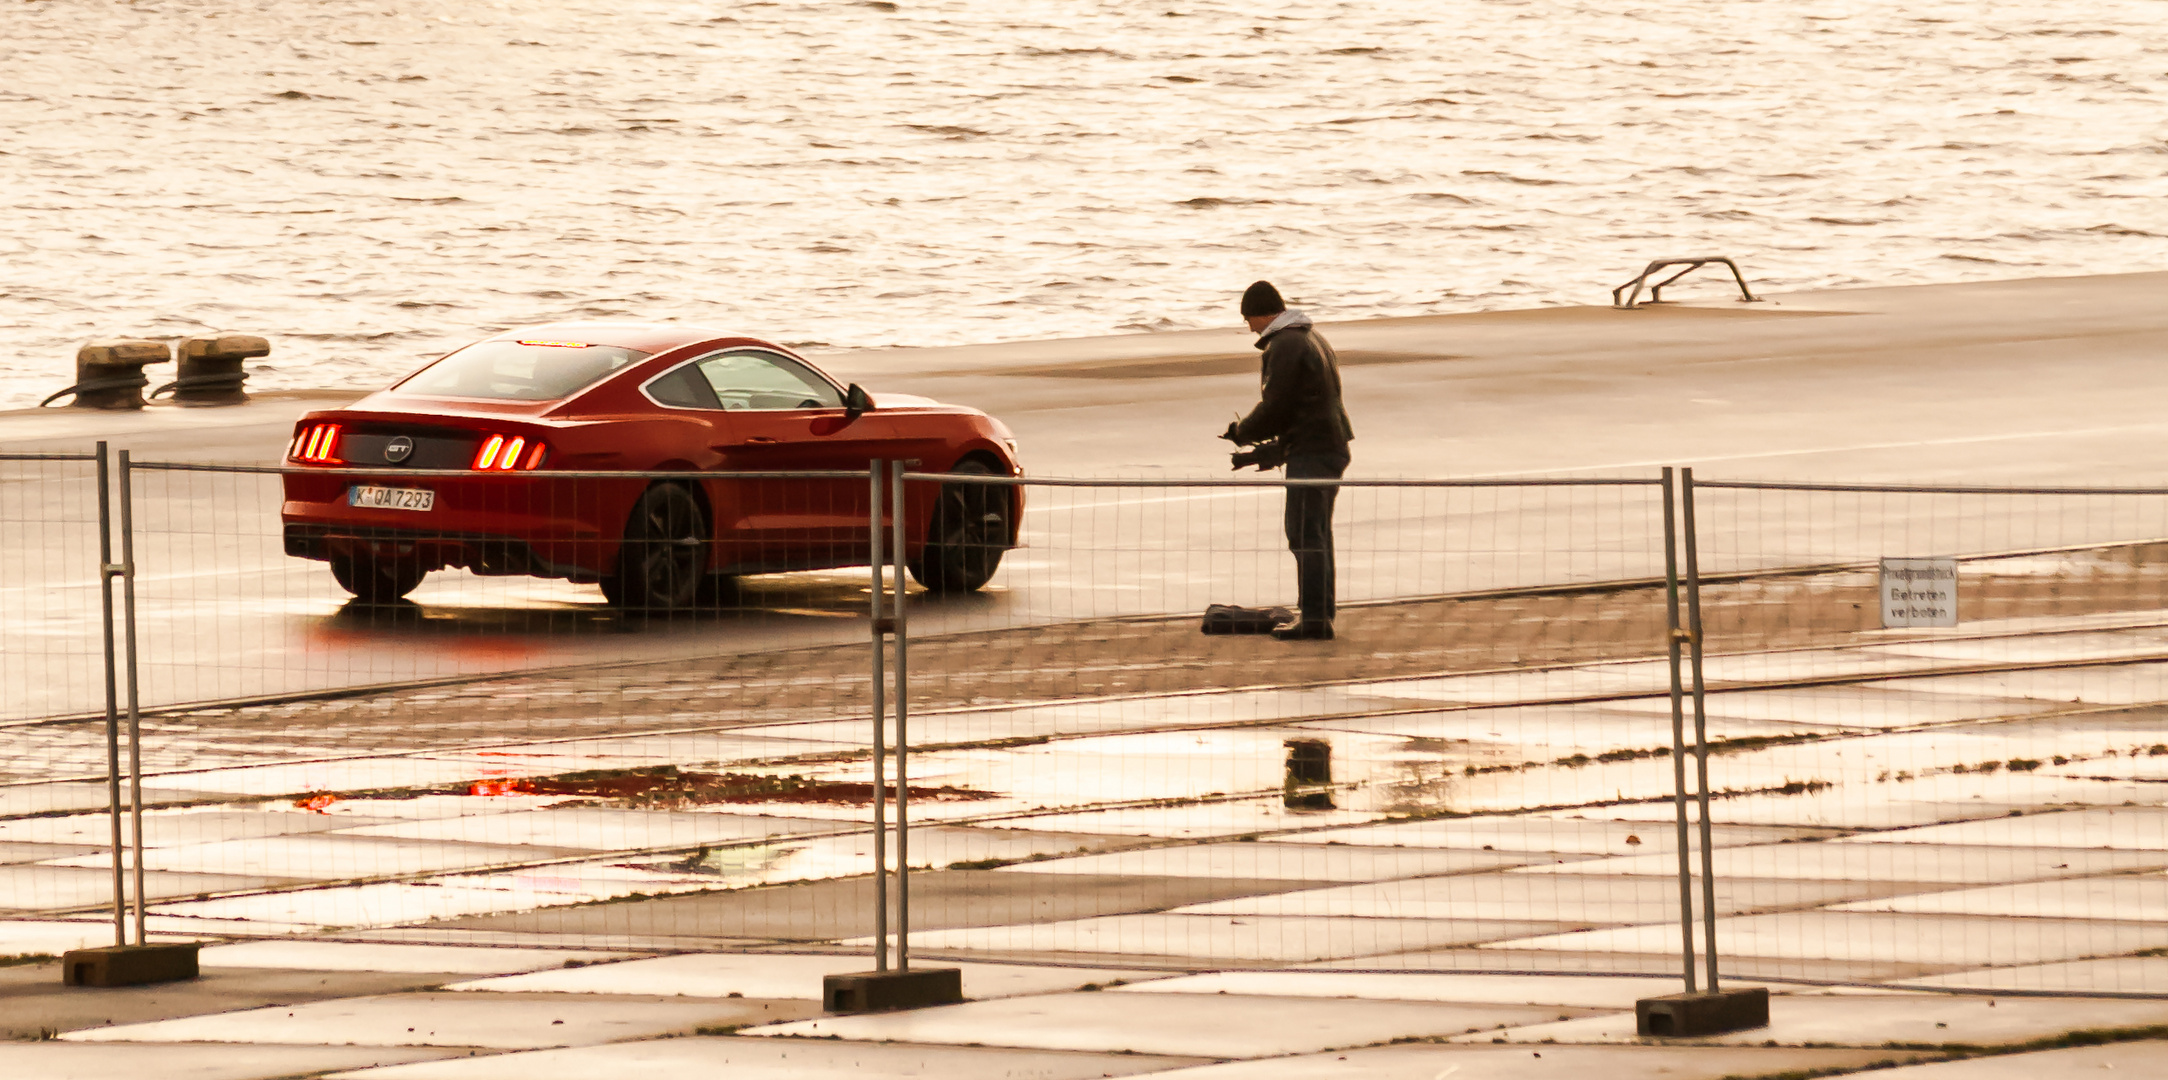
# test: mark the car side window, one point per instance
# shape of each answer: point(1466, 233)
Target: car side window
point(683, 388)
point(761, 380)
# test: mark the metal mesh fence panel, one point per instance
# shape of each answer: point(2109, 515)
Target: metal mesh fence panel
point(1950, 698)
point(1097, 781)
point(522, 696)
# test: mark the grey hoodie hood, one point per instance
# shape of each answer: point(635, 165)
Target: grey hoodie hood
point(1289, 318)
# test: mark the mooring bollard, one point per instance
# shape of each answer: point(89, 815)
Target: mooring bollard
point(210, 369)
point(109, 374)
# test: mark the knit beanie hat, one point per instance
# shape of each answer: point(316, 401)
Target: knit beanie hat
point(1262, 299)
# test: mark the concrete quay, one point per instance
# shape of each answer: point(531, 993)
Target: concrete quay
point(1137, 897)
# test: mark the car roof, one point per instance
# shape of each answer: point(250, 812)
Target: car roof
point(644, 337)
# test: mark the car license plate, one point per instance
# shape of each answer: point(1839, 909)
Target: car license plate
point(385, 498)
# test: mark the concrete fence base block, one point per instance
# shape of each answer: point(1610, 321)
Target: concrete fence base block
point(129, 965)
point(1688, 1015)
point(877, 991)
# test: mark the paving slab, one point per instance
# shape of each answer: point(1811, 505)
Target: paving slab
point(1868, 707)
point(522, 1022)
point(2129, 828)
point(1434, 1062)
point(34, 1003)
point(1829, 861)
point(328, 856)
point(15, 852)
point(26, 799)
point(1206, 938)
point(1577, 991)
point(835, 909)
point(1214, 1026)
point(1199, 821)
point(306, 911)
point(1949, 941)
point(364, 956)
point(596, 828)
point(18, 936)
point(1495, 961)
point(2132, 1060)
point(47, 887)
point(76, 1061)
point(2137, 899)
point(931, 848)
point(1568, 898)
point(780, 976)
point(778, 1059)
point(1563, 836)
point(1287, 862)
point(1842, 807)
point(1873, 1020)
point(171, 828)
point(2112, 975)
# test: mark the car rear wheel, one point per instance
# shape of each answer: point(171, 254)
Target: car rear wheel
point(376, 581)
point(664, 557)
point(967, 535)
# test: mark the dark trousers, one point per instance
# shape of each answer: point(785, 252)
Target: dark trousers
point(1309, 531)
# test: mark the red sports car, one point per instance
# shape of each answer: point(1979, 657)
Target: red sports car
point(498, 417)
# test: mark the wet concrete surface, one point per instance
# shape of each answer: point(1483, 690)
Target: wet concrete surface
point(1548, 1063)
point(527, 1021)
point(782, 1059)
point(34, 1005)
point(74, 1061)
point(1219, 1026)
point(781, 976)
point(1921, 1020)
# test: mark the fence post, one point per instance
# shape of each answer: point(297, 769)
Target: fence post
point(1672, 637)
point(903, 736)
point(880, 722)
point(107, 569)
point(1701, 725)
point(135, 713)
point(1713, 1011)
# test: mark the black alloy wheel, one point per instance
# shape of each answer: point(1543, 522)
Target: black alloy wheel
point(967, 536)
point(664, 557)
point(375, 580)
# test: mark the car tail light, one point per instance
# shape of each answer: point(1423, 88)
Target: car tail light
point(509, 453)
point(318, 444)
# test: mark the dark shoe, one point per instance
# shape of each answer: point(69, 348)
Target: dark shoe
point(1304, 631)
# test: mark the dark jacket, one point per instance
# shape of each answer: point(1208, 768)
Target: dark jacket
point(1301, 405)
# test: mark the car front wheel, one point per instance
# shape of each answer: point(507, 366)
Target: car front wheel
point(967, 536)
point(664, 557)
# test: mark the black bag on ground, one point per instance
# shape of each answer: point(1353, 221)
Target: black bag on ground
point(1234, 619)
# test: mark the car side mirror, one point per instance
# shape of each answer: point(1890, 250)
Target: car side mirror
point(856, 401)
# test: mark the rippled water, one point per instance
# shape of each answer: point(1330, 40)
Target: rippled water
point(368, 182)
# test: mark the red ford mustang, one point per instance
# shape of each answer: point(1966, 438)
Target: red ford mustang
point(498, 417)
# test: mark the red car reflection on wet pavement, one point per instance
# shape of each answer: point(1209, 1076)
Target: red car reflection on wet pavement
point(498, 417)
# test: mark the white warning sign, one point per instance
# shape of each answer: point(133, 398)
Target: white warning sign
point(1919, 592)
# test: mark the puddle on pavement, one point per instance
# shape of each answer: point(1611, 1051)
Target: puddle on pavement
point(668, 787)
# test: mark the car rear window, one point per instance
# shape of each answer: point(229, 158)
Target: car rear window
point(527, 370)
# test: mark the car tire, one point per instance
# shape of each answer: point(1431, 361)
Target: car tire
point(966, 535)
point(664, 555)
point(376, 581)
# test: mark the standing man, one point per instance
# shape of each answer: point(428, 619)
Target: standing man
point(1300, 421)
